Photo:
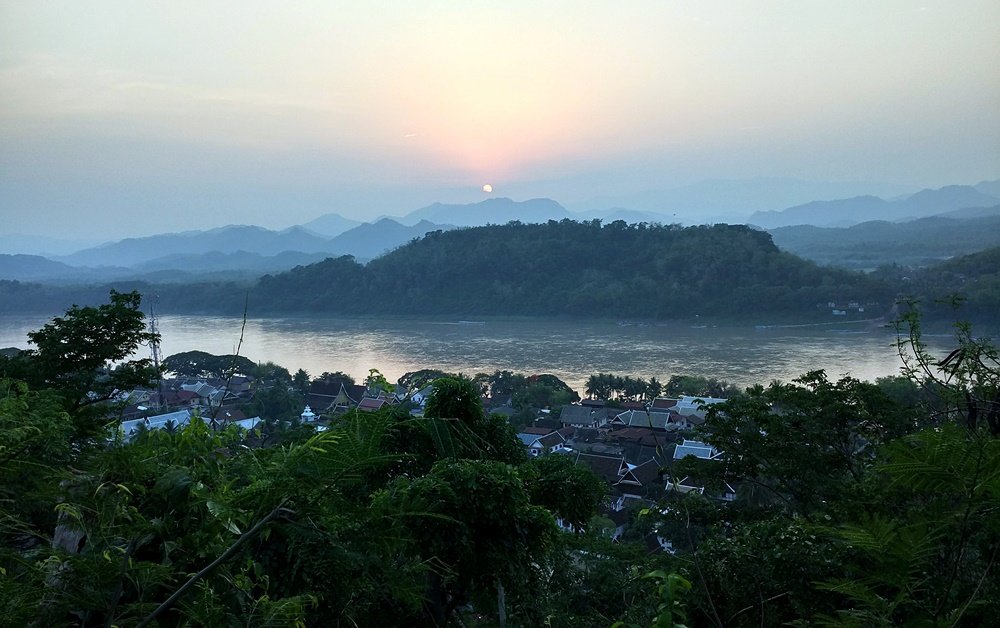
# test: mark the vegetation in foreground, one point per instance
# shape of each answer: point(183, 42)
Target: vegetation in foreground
point(859, 504)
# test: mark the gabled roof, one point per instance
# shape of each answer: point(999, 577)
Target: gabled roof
point(663, 403)
point(320, 403)
point(551, 440)
point(607, 467)
point(697, 449)
point(527, 439)
point(639, 436)
point(538, 431)
point(249, 424)
point(580, 415)
point(230, 415)
point(370, 405)
point(688, 404)
point(645, 473)
point(641, 418)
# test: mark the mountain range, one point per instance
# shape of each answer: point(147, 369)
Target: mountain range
point(851, 211)
point(246, 251)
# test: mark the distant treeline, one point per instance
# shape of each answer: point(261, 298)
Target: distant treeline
point(565, 268)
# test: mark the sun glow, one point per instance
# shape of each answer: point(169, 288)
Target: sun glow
point(488, 188)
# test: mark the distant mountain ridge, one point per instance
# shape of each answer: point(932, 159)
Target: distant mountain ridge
point(496, 211)
point(920, 242)
point(733, 200)
point(330, 225)
point(851, 211)
point(132, 251)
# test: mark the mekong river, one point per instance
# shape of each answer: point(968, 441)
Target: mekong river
point(572, 350)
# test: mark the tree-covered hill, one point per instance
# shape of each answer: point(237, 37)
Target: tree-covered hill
point(573, 269)
point(565, 268)
point(870, 244)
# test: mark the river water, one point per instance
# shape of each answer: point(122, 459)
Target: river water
point(572, 350)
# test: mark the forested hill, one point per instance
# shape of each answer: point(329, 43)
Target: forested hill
point(575, 269)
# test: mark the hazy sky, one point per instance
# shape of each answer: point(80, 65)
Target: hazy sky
point(126, 118)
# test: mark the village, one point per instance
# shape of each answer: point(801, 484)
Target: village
point(633, 445)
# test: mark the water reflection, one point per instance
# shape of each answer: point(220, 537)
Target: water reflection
point(571, 350)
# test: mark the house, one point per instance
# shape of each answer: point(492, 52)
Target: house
point(640, 418)
point(688, 405)
point(371, 405)
point(583, 417)
point(420, 397)
point(688, 485)
point(333, 397)
point(697, 449)
point(229, 415)
point(641, 436)
point(609, 468)
point(249, 424)
point(158, 422)
point(539, 445)
point(662, 404)
point(637, 480)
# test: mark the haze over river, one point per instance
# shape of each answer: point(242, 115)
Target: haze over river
point(572, 350)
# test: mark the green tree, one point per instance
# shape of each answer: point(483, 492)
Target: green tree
point(568, 490)
point(482, 531)
point(454, 398)
point(203, 364)
point(85, 357)
point(300, 382)
point(808, 445)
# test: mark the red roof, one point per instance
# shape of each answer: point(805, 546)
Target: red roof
point(662, 403)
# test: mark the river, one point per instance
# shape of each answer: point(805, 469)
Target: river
point(572, 350)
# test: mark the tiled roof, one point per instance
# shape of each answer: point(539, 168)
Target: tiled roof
point(539, 431)
point(606, 467)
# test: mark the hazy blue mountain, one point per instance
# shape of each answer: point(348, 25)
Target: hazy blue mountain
point(845, 212)
point(868, 245)
point(732, 200)
point(132, 251)
point(246, 261)
point(839, 213)
point(43, 270)
point(30, 267)
point(989, 187)
point(369, 240)
point(22, 244)
point(930, 202)
point(971, 212)
point(330, 225)
point(620, 213)
point(497, 211)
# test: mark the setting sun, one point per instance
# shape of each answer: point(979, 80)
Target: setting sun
point(487, 188)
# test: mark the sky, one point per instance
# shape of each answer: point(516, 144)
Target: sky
point(123, 118)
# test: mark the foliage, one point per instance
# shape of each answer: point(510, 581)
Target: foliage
point(543, 391)
point(85, 356)
point(416, 380)
point(202, 364)
point(936, 563)
point(569, 491)
point(454, 398)
point(806, 445)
